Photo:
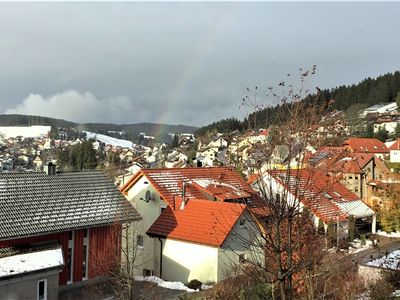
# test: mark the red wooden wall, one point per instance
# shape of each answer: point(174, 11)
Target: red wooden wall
point(104, 250)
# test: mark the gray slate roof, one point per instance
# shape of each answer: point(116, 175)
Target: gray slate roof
point(36, 203)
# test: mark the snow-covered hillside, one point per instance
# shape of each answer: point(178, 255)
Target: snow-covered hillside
point(25, 131)
point(108, 140)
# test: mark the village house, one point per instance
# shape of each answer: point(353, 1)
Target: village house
point(188, 213)
point(380, 108)
point(387, 122)
point(186, 139)
point(65, 226)
point(367, 145)
point(328, 201)
point(176, 159)
point(354, 170)
point(218, 142)
point(126, 155)
point(203, 229)
point(207, 156)
point(394, 149)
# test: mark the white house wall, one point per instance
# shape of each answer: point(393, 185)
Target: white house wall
point(184, 261)
point(395, 155)
point(242, 240)
point(149, 211)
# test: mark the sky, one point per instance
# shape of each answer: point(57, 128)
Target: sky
point(182, 62)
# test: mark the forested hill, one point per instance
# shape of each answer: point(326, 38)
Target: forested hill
point(26, 120)
point(159, 131)
point(366, 93)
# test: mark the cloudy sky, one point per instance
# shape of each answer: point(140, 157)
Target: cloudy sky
point(181, 63)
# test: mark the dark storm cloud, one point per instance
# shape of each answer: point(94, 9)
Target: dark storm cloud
point(181, 62)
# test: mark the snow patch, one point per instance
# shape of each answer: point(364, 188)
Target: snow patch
point(390, 234)
point(172, 285)
point(25, 131)
point(356, 245)
point(108, 140)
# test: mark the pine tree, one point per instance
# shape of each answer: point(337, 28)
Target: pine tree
point(398, 100)
point(397, 131)
point(382, 134)
point(175, 142)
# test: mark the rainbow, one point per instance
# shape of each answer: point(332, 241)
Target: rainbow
point(198, 57)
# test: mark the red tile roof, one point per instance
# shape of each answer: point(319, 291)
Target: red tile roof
point(320, 193)
point(252, 178)
point(395, 145)
point(366, 145)
point(221, 183)
point(201, 221)
point(363, 158)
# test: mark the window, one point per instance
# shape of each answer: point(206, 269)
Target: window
point(242, 258)
point(42, 289)
point(85, 254)
point(139, 241)
point(356, 177)
point(161, 210)
point(242, 223)
point(147, 272)
point(70, 257)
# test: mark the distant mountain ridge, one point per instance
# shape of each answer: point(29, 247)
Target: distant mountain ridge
point(159, 131)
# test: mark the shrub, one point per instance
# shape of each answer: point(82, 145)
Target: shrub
point(392, 277)
point(380, 290)
point(363, 239)
point(194, 284)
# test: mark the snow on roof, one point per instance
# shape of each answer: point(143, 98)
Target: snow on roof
point(30, 262)
point(108, 140)
point(25, 131)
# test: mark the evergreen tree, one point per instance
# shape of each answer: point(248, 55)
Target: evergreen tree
point(382, 134)
point(398, 100)
point(369, 132)
point(175, 142)
point(397, 131)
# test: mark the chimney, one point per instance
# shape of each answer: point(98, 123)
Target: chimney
point(183, 195)
point(50, 169)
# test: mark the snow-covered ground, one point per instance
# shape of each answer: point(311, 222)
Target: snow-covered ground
point(25, 131)
point(173, 285)
point(390, 234)
point(356, 246)
point(390, 261)
point(108, 140)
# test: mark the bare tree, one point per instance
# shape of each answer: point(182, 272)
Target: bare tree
point(291, 248)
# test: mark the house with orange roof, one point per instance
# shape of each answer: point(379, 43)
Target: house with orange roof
point(367, 145)
point(192, 212)
point(353, 169)
point(212, 232)
point(327, 200)
point(394, 150)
